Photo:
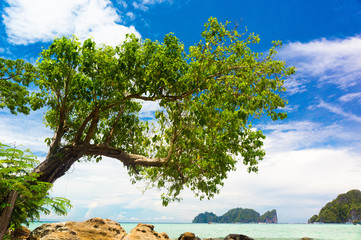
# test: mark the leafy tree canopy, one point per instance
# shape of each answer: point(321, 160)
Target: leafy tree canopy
point(209, 96)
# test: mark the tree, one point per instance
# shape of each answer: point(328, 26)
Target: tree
point(209, 98)
point(22, 196)
point(15, 77)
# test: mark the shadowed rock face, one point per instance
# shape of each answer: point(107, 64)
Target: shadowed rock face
point(92, 229)
point(237, 237)
point(188, 236)
point(20, 233)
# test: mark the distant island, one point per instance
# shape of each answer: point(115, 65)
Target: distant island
point(237, 215)
point(346, 208)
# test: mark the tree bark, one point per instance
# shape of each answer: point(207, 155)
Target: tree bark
point(57, 164)
point(6, 213)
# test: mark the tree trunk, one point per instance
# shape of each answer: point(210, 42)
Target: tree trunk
point(6, 213)
point(57, 164)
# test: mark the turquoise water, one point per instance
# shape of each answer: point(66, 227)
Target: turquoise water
point(256, 231)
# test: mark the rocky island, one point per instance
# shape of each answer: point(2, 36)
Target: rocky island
point(238, 215)
point(346, 208)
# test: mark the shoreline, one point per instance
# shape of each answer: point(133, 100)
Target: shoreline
point(284, 231)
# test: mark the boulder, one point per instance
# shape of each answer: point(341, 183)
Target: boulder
point(237, 237)
point(92, 229)
point(188, 236)
point(20, 233)
point(145, 232)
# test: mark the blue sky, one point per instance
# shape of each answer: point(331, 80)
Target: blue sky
point(312, 156)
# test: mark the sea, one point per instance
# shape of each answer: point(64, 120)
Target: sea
point(256, 231)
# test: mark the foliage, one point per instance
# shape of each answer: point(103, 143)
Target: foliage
point(345, 208)
point(209, 98)
point(268, 216)
point(33, 199)
point(15, 77)
point(206, 217)
point(239, 215)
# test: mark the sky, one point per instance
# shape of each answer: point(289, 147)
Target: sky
point(311, 157)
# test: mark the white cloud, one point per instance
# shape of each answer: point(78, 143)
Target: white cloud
point(339, 111)
point(294, 86)
point(350, 96)
point(122, 3)
point(131, 15)
point(142, 4)
point(24, 131)
point(298, 135)
point(331, 61)
point(42, 20)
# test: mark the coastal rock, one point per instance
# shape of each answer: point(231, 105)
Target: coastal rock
point(145, 232)
point(269, 217)
point(20, 233)
point(345, 208)
point(95, 228)
point(238, 215)
point(188, 236)
point(237, 237)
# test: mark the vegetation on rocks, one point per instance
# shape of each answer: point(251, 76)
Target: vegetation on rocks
point(237, 215)
point(345, 208)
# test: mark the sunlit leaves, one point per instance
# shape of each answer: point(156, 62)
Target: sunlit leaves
point(33, 199)
point(209, 96)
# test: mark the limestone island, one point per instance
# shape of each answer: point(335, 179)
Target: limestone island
point(237, 215)
point(346, 208)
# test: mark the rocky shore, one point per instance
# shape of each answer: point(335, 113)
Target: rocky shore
point(103, 229)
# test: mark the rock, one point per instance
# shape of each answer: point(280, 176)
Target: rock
point(269, 217)
point(188, 236)
point(237, 237)
point(20, 233)
point(92, 229)
point(145, 232)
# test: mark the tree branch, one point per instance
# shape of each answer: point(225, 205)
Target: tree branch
point(80, 131)
point(126, 158)
point(111, 132)
point(93, 126)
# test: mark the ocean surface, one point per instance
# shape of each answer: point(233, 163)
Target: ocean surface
point(256, 231)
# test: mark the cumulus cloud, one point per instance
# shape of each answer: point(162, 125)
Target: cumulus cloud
point(335, 61)
point(42, 20)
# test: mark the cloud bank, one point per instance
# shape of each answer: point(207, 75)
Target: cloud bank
point(335, 62)
point(42, 20)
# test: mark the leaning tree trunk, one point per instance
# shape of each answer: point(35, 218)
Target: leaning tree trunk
point(57, 164)
point(59, 161)
point(6, 213)
point(53, 167)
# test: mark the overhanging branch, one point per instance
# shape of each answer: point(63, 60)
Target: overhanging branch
point(126, 158)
